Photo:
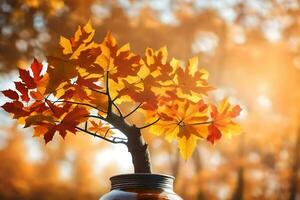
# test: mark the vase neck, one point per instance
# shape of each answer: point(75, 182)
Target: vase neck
point(142, 181)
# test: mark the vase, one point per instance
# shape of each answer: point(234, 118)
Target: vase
point(141, 187)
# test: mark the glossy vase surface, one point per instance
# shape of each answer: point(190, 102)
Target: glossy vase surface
point(141, 187)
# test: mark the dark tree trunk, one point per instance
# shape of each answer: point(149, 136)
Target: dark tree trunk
point(238, 193)
point(139, 151)
point(198, 167)
point(295, 168)
point(136, 144)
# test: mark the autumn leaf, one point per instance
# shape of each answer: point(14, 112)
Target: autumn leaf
point(15, 108)
point(100, 128)
point(36, 68)
point(187, 146)
point(21, 87)
point(89, 80)
point(59, 71)
point(191, 82)
point(183, 121)
point(11, 94)
point(37, 119)
point(66, 45)
point(214, 134)
point(27, 79)
point(222, 117)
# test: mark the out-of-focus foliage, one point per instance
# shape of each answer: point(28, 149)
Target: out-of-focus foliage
point(251, 49)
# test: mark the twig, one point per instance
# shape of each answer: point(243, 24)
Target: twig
point(122, 140)
point(97, 117)
point(152, 123)
point(133, 110)
point(201, 123)
point(97, 91)
point(78, 103)
point(118, 109)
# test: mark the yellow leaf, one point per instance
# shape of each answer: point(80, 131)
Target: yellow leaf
point(124, 48)
point(66, 45)
point(88, 27)
point(163, 50)
point(193, 65)
point(187, 146)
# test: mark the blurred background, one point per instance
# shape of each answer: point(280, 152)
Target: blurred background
point(251, 49)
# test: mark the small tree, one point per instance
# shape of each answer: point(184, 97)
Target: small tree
point(86, 82)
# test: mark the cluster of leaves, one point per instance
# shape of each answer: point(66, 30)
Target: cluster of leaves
point(86, 83)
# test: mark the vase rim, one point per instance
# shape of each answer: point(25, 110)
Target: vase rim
point(142, 174)
point(142, 180)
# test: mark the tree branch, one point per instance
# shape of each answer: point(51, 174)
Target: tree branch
point(118, 109)
point(114, 139)
point(152, 123)
point(78, 103)
point(97, 117)
point(130, 113)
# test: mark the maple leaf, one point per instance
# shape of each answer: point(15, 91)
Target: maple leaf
point(156, 61)
point(214, 134)
point(119, 62)
point(183, 121)
point(11, 94)
point(21, 87)
point(59, 71)
point(79, 42)
point(191, 82)
point(187, 146)
point(27, 79)
point(68, 124)
point(36, 68)
point(16, 108)
point(222, 117)
point(100, 128)
point(37, 119)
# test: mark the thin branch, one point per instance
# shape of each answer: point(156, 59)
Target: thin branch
point(201, 123)
point(133, 110)
point(152, 123)
point(106, 85)
point(118, 109)
point(121, 140)
point(106, 132)
point(100, 92)
point(109, 109)
point(85, 125)
point(114, 99)
point(97, 117)
point(79, 103)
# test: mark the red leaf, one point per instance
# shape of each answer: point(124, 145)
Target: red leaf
point(36, 95)
point(76, 115)
point(214, 134)
point(49, 135)
point(68, 94)
point(36, 68)
point(15, 108)
point(11, 94)
point(235, 111)
point(89, 82)
point(27, 79)
point(58, 111)
point(23, 90)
